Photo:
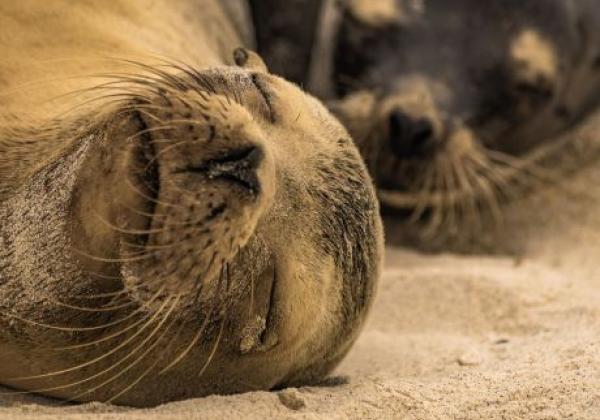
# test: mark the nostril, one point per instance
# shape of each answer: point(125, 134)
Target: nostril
point(409, 137)
point(399, 132)
point(399, 125)
point(239, 166)
point(422, 131)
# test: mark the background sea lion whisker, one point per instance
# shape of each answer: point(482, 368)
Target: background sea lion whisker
point(526, 166)
point(422, 193)
point(500, 179)
point(470, 202)
point(486, 190)
point(452, 205)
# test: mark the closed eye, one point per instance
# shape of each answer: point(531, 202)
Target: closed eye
point(260, 86)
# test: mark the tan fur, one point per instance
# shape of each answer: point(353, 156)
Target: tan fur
point(535, 56)
point(178, 226)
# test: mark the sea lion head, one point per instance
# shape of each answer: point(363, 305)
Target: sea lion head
point(224, 215)
point(447, 100)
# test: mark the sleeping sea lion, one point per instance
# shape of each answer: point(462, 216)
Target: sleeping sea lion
point(170, 227)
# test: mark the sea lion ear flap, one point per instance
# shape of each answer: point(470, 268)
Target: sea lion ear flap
point(250, 60)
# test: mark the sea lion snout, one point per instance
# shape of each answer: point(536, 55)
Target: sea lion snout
point(411, 123)
point(408, 136)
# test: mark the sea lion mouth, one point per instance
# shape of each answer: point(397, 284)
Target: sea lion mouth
point(260, 332)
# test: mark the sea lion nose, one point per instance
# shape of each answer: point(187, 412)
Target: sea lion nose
point(239, 166)
point(408, 136)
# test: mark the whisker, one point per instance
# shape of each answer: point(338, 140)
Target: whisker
point(437, 216)
point(100, 358)
point(127, 231)
point(65, 328)
point(136, 258)
point(118, 333)
point(151, 199)
point(86, 309)
point(450, 191)
point(421, 206)
point(194, 341)
point(132, 353)
point(214, 349)
point(164, 151)
point(469, 204)
point(490, 197)
point(90, 378)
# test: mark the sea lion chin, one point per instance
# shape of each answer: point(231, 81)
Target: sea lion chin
point(199, 229)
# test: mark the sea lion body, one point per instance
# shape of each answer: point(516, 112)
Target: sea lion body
point(174, 229)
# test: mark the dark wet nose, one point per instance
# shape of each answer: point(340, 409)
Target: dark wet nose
point(239, 167)
point(410, 137)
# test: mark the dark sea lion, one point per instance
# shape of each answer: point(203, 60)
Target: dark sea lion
point(170, 228)
point(517, 103)
point(455, 104)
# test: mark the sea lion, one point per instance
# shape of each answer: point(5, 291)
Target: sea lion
point(170, 228)
point(455, 104)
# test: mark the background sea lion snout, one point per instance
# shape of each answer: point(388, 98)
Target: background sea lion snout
point(411, 122)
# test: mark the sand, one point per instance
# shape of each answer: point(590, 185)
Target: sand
point(450, 336)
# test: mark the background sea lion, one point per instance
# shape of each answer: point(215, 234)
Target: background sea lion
point(176, 229)
point(454, 104)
